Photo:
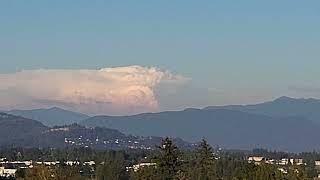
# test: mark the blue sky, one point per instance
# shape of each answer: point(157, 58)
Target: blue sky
point(241, 51)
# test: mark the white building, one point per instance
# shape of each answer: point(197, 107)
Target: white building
point(48, 163)
point(21, 163)
point(284, 171)
point(284, 161)
point(89, 163)
point(72, 163)
point(271, 161)
point(136, 167)
point(256, 159)
point(7, 172)
point(297, 162)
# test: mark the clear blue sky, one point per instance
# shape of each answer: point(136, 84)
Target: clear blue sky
point(242, 47)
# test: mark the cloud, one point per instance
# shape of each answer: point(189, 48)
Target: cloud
point(114, 91)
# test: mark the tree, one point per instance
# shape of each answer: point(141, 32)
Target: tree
point(39, 173)
point(144, 173)
point(43, 172)
point(168, 162)
point(205, 162)
point(113, 167)
point(66, 173)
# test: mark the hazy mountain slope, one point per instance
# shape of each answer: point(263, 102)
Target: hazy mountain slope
point(102, 138)
point(21, 132)
point(281, 107)
point(51, 117)
point(228, 128)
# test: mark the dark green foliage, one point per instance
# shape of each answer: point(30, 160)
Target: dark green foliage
point(204, 164)
point(168, 161)
point(7, 178)
point(113, 167)
point(145, 173)
point(59, 172)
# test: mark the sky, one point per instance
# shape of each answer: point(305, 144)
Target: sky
point(179, 53)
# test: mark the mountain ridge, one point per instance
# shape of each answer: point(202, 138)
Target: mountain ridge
point(54, 116)
point(22, 132)
point(281, 107)
point(227, 128)
point(282, 124)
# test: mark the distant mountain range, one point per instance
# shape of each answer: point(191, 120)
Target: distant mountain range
point(283, 124)
point(21, 132)
point(51, 117)
point(281, 107)
point(227, 128)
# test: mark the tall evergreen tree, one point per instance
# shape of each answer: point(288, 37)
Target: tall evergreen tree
point(168, 162)
point(205, 162)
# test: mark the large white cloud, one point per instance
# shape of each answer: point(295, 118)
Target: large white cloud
point(115, 91)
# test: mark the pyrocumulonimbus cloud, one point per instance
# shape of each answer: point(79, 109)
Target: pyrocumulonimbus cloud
point(114, 91)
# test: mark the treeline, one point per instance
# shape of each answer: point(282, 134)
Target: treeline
point(166, 163)
point(203, 164)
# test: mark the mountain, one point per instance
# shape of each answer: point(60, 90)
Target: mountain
point(51, 117)
point(100, 138)
point(281, 107)
point(23, 132)
point(19, 130)
point(226, 128)
point(286, 123)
